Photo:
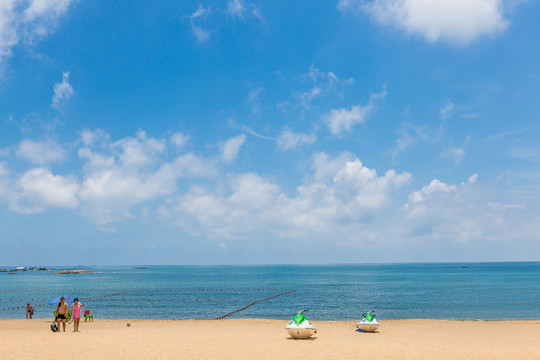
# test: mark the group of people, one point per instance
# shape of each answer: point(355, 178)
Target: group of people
point(62, 312)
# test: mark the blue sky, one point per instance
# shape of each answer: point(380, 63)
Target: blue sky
point(240, 132)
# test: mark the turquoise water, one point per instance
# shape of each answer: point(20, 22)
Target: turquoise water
point(330, 292)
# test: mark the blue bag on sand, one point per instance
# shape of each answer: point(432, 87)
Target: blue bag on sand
point(54, 328)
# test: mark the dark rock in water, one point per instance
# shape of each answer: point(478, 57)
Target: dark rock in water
point(12, 273)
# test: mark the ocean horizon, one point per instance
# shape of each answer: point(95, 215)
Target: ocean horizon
point(458, 290)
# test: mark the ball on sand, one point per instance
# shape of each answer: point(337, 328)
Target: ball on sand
point(128, 324)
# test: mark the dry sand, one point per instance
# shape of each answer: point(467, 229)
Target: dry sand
point(267, 339)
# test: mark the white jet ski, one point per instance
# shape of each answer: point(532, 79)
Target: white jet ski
point(299, 327)
point(368, 322)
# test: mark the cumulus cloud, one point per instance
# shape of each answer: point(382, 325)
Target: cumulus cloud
point(340, 192)
point(115, 177)
point(344, 119)
point(339, 200)
point(433, 187)
point(289, 140)
point(41, 152)
point(130, 171)
point(459, 22)
point(470, 211)
point(62, 92)
point(231, 148)
point(27, 21)
point(42, 189)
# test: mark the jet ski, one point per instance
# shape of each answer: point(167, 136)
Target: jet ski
point(368, 322)
point(299, 327)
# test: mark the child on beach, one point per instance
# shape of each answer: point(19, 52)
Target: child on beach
point(76, 314)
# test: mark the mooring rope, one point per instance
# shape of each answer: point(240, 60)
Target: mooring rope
point(245, 307)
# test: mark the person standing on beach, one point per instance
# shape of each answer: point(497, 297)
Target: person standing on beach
point(61, 313)
point(76, 314)
point(29, 311)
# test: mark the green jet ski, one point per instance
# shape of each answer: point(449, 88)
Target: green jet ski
point(299, 327)
point(368, 322)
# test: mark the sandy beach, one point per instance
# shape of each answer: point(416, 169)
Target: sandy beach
point(267, 339)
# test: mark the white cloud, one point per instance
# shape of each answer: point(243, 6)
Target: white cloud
point(446, 112)
point(289, 140)
point(140, 151)
point(427, 191)
point(45, 9)
point(8, 28)
point(6, 186)
point(236, 8)
point(340, 193)
point(128, 172)
point(201, 34)
point(324, 84)
point(239, 9)
point(339, 201)
point(459, 22)
point(443, 213)
point(40, 189)
point(254, 99)
point(410, 134)
point(456, 154)
point(62, 92)
point(343, 119)
point(41, 152)
point(25, 21)
point(231, 148)
point(179, 140)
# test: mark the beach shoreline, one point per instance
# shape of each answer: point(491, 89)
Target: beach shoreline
point(267, 339)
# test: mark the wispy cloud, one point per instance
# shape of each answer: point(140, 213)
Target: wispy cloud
point(62, 92)
point(324, 83)
point(344, 119)
point(456, 154)
point(27, 22)
point(204, 19)
point(254, 99)
point(240, 9)
point(196, 19)
point(446, 111)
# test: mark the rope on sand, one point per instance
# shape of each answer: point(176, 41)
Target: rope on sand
point(245, 307)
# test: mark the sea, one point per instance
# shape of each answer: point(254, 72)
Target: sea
point(458, 291)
